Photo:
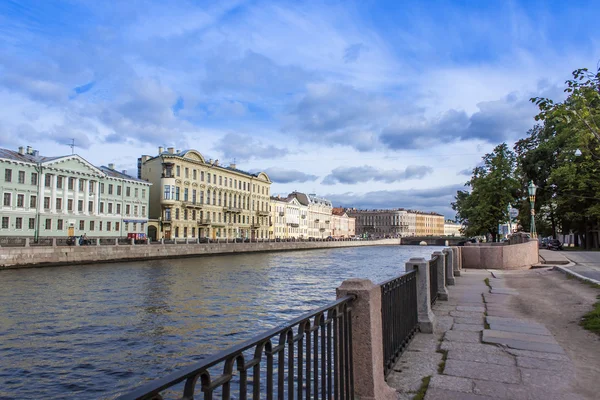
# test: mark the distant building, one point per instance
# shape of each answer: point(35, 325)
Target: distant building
point(194, 197)
point(342, 225)
point(382, 223)
point(67, 196)
point(319, 214)
point(289, 218)
point(451, 228)
point(429, 223)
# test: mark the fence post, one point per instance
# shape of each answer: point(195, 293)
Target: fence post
point(53, 242)
point(367, 340)
point(449, 253)
point(97, 241)
point(116, 241)
point(441, 273)
point(427, 320)
point(458, 259)
point(26, 242)
point(162, 240)
point(132, 241)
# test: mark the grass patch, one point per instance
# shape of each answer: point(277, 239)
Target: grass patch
point(487, 282)
point(591, 320)
point(442, 363)
point(423, 389)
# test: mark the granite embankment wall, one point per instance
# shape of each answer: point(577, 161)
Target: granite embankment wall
point(24, 257)
point(500, 256)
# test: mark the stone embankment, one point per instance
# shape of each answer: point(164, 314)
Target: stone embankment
point(39, 256)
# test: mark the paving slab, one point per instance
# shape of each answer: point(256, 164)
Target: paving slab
point(514, 321)
point(504, 291)
point(424, 342)
point(539, 363)
point(471, 320)
point(519, 329)
point(463, 336)
point(526, 337)
point(499, 359)
point(499, 390)
point(538, 354)
point(525, 345)
point(439, 394)
point(454, 383)
point(471, 308)
point(483, 371)
point(546, 379)
point(411, 368)
point(475, 347)
point(467, 327)
point(466, 314)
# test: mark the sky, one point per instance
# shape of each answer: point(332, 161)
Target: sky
point(372, 104)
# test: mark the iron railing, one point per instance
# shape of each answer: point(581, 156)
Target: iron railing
point(309, 357)
point(41, 242)
point(399, 316)
point(12, 242)
point(433, 280)
point(124, 241)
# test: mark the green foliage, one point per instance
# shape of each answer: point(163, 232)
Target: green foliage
point(591, 320)
point(493, 187)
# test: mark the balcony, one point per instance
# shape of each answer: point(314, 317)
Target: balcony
point(294, 224)
point(303, 216)
point(322, 230)
point(327, 221)
point(191, 204)
point(281, 213)
point(204, 222)
point(255, 225)
point(317, 220)
point(230, 209)
point(262, 213)
point(166, 221)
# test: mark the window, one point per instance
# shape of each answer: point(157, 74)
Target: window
point(8, 175)
point(202, 197)
point(7, 198)
point(117, 224)
point(71, 184)
point(185, 194)
point(202, 176)
point(21, 200)
point(208, 197)
point(108, 226)
point(169, 192)
point(69, 204)
point(59, 182)
point(119, 208)
point(214, 200)
point(48, 224)
point(127, 209)
point(18, 223)
point(220, 180)
point(34, 178)
point(194, 196)
point(143, 193)
point(46, 203)
point(90, 206)
point(80, 205)
point(92, 225)
point(5, 222)
point(21, 176)
point(193, 215)
point(102, 188)
point(185, 231)
point(110, 208)
point(119, 188)
point(178, 169)
point(136, 192)
point(208, 177)
point(126, 225)
point(101, 206)
point(81, 185)
point(219, 198)
point(167, 214)
point(91, 187)
point(59, 224)
point(194, 174)
point(177, 193)
point(110, 188)
point(187, 172)
point(143, 211)
point(128, 191)
point(177, 213)
point(185, 214)
point(32, 201)
point(31, 223)
point(81, 224)
point(135, 210)
point(100, 225)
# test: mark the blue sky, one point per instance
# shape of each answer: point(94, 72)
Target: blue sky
point(370, 103)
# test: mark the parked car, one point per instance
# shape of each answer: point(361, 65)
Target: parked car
point(554, 244)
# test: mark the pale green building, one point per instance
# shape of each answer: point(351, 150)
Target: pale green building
point(46, 197)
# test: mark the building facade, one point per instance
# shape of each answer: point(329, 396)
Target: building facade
point(429, 224)
point(278, 205)
point(67, 196)
point(451, 228)
point(382, 223)
point(193, 197)
point(343, 226)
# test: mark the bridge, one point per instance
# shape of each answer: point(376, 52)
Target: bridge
point(433, 240)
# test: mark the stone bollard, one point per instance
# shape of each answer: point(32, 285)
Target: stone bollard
point(427, 320)
point(132, 242)
point(367, 341)
point(441, 272)
point(162, 240)
point(187, 241)
point(26, 242)
point(97, 241)
point(148, 240)
point(449, 255)
point(459, 259)
point(116, 241)
point(53, 242)
point(76, 241)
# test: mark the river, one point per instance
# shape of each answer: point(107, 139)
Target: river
point(95, 331)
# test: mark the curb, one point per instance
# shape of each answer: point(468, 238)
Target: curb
point(575, 274)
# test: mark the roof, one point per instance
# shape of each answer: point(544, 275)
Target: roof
point(30, 158)
point(116, 174)
point(301, 197)
point(338, 211)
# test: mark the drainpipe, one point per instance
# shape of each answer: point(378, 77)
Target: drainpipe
point(36, 233)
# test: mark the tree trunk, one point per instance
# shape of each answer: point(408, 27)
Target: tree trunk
point(553, 222)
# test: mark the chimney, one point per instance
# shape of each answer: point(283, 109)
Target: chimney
point(35, 153)
point(217, 163)
point(21, 150)
point(124, 172)
point(29, 149)
point(160, 150)
point(171, 150)
point(210, 160)
point(111, 166)
point(177, 151)
point(232, 165)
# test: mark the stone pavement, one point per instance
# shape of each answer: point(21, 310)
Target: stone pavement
point(482, 350)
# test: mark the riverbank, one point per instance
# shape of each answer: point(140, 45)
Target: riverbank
point(35, 257)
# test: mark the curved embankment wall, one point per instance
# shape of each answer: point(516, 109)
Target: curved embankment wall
point(497, 256)
point(23, 257)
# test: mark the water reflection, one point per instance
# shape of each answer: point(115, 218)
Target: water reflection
point(97, 330)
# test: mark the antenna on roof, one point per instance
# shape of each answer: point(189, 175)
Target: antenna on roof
point(72, 146)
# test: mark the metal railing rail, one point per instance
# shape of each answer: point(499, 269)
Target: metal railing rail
point(308, 357)
point(399, 316)
point(433, 279)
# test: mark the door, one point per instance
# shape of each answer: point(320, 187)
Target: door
point(71, 231)
point(168, 235)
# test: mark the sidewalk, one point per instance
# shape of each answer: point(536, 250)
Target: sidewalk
point(482, 350)
point(551, 257)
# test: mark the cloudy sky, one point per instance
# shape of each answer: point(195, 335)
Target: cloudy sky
point(369, 103)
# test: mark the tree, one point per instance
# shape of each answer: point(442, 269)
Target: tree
point(493, 187)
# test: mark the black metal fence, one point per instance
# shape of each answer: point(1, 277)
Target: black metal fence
point(12, 242)
point(433, 279)
point(309, 357)
point(399, 316)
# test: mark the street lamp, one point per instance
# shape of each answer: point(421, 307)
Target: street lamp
point(531, 189)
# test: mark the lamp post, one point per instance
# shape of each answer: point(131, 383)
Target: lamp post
point(531, 189)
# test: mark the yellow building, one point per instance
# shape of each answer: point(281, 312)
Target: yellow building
point(429, 224)
point(192, 197)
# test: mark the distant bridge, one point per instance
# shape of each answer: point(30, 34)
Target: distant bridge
point(432, 240)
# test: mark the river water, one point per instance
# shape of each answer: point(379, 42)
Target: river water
point(95, 331)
